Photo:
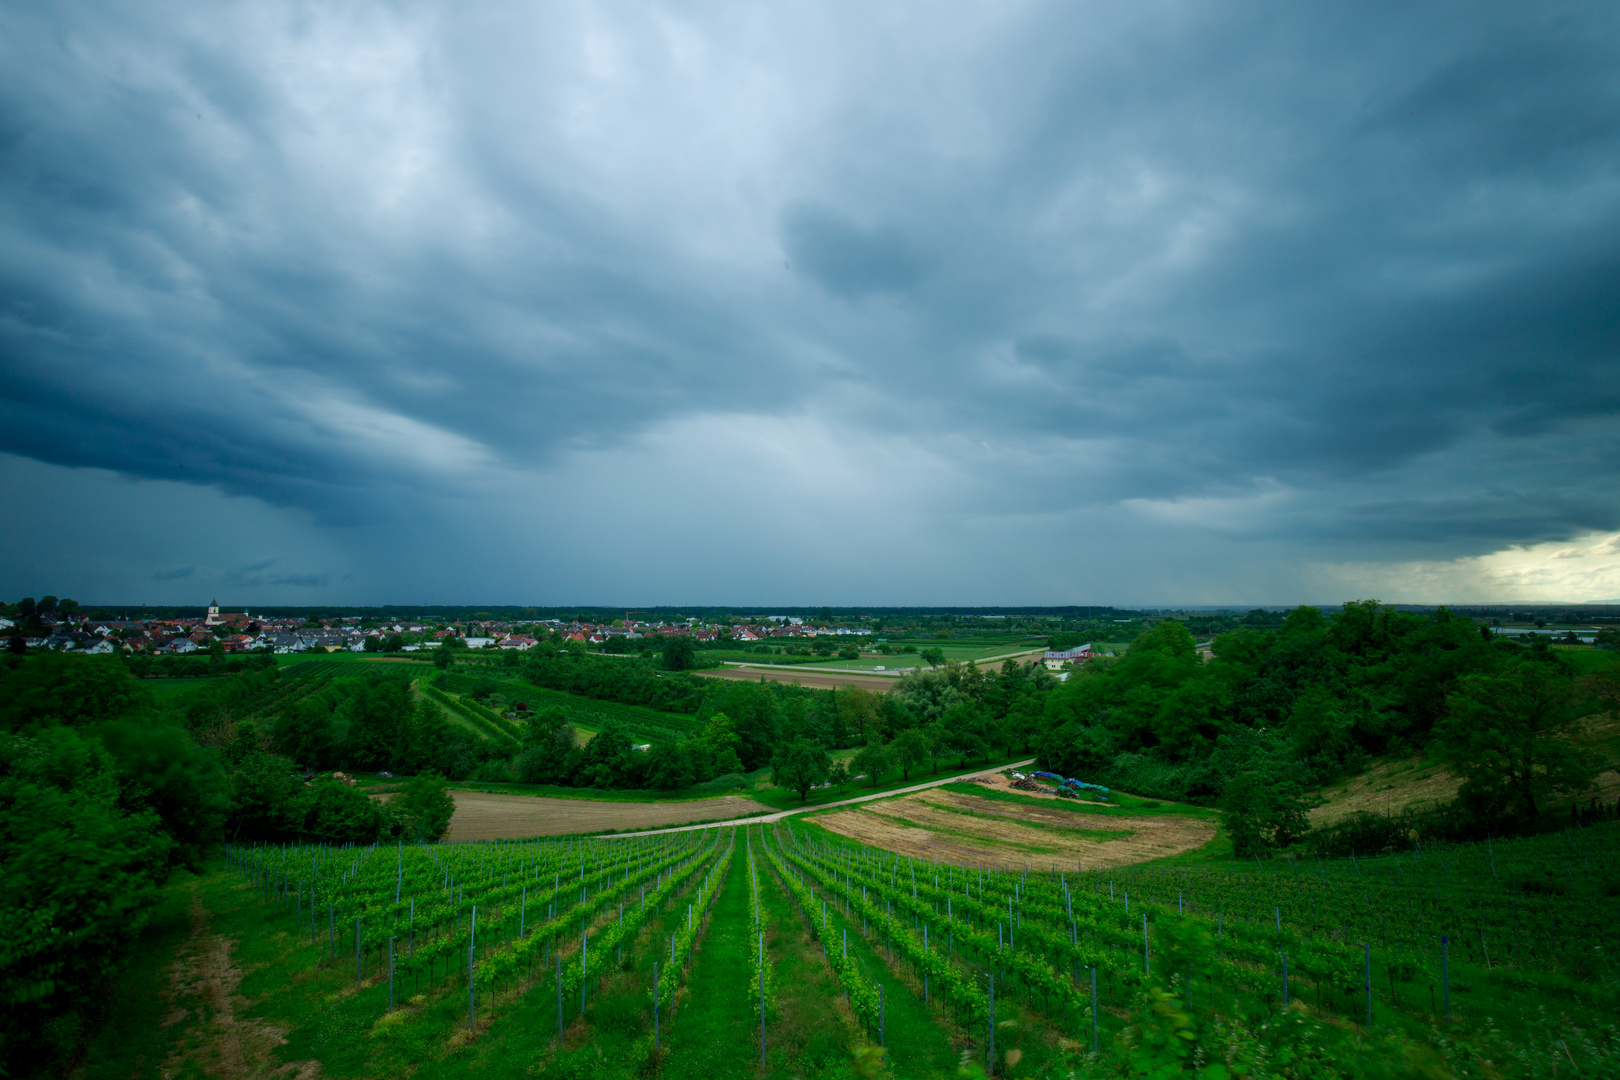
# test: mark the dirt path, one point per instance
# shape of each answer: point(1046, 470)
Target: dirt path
point(766, 819)
point(203, 987)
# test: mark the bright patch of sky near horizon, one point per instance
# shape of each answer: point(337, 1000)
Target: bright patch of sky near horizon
point(802, 303)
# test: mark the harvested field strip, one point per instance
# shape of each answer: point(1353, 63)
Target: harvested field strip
point(1031, 821)
point(482, 816)
point(961, 828)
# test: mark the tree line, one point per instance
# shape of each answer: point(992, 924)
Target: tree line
point(104, 794)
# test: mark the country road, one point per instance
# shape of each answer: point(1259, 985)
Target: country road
point(766, 819)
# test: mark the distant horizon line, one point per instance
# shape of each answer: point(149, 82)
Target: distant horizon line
point(816, 609)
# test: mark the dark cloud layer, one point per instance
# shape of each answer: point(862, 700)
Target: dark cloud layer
point(1313, 276)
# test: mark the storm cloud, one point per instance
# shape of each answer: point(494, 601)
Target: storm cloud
point(919, 302)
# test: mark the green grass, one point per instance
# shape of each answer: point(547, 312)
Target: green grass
point(715, 1019)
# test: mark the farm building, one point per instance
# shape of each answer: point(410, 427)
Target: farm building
point(1056, 659)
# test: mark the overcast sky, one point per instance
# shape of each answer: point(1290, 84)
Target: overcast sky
point(983, 303)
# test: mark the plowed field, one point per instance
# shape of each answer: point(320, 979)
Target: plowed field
point(482, 816)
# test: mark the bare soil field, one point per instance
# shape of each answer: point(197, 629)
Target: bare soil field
point(819, 680)
point(483, 816)
point(967, 830)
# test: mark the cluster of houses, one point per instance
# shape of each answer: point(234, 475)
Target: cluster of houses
point(241, 631)
point(773, 628)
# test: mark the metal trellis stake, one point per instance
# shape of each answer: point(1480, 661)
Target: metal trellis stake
point(1367, 956)
point(1093, 1010)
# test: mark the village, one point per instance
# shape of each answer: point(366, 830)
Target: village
point(242, 632)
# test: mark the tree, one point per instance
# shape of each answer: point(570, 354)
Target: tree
point(875, 760)
point(933, 656)
point(937, 744)
point(81, 878)
point(800, 766)
point(1259, 816)
point(680, 654)
point(54, 689)
point(720, 736)
point(1507, 736)
point(304, 734)
point(162, 770)
point(753, 712)
point(1063, 640)
point(377, 721)
point(911, 749)
point(425, 807)
point(549, 754)
point(373, 643)
point(443, 657)
point(860, 713)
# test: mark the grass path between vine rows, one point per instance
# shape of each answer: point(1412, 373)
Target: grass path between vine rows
point(714, 1035)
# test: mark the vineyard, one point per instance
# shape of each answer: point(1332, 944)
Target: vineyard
point(478, 703)
point(640, 723)
point(785, 950)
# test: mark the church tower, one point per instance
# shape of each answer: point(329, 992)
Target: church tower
point(213, 612)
